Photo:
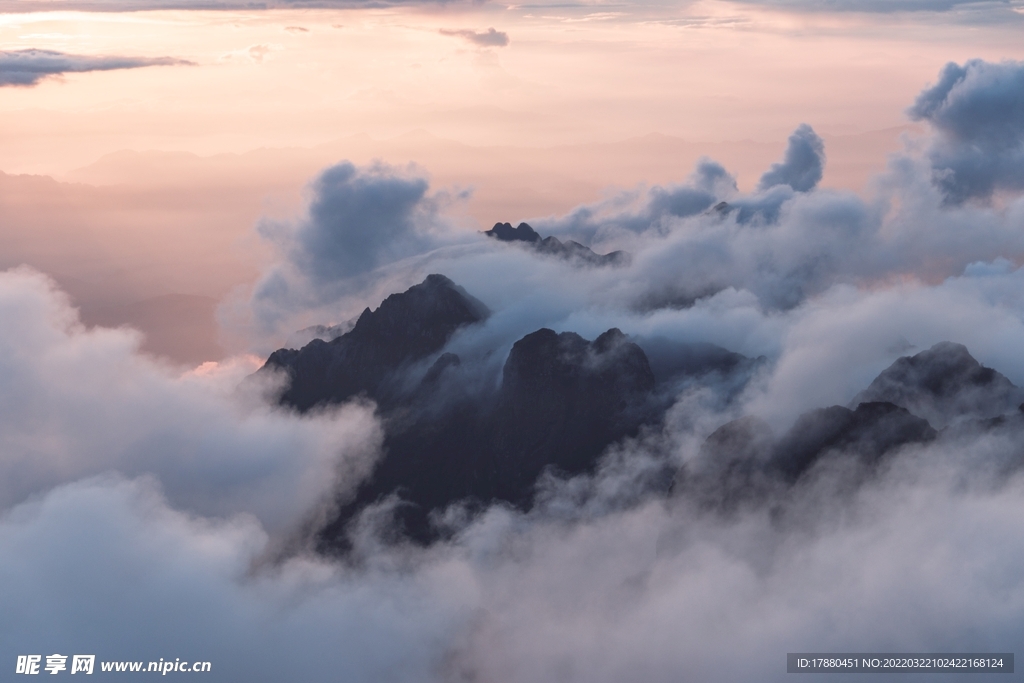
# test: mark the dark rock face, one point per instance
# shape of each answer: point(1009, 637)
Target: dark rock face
point(731, 466)
point(576, 252)
point(562, 402)
point(747, 439)
point(459, 436)
point(670, 359)
point(679, 365)
point(743, 461)
point(506, 233)
point(405, 328)
point(869, 432)
point(456, 435)
point(569, 250)
point(943, 384)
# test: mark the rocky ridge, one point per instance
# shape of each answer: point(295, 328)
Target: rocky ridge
point(569, 250)
point(936, 395)
point(562, 400)
point(406, 328)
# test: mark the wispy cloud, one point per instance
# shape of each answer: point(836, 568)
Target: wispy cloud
point(488, 38)
point(970, 11)
point(29, 67)
point(19, 6)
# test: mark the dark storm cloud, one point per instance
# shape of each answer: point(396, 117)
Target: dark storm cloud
point(978, 112)
point(29, 67)
point(488, 38)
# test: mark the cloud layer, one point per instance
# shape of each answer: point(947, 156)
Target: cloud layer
point(29, 67)
point(214, 450)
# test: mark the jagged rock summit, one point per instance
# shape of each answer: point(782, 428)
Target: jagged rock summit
point(405, 328)
point(506, 233)
point(937, 394)
point(870, 431)
point(743, 460)
point(563, 400)
point(454, 433)
point(568, 250)
point(943, 385)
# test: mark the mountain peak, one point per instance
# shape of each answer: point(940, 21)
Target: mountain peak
point(504, 232)
point(406, 327)
point(942, 384)
point(568, 250)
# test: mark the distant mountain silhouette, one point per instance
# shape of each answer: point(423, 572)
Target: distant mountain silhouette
point(506, 233)
point(569, 250)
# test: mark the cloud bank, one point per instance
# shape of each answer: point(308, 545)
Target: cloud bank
point(29, 67)
point(214, 451)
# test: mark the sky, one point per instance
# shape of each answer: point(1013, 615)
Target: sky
point(173, 132)
point(185, 185)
